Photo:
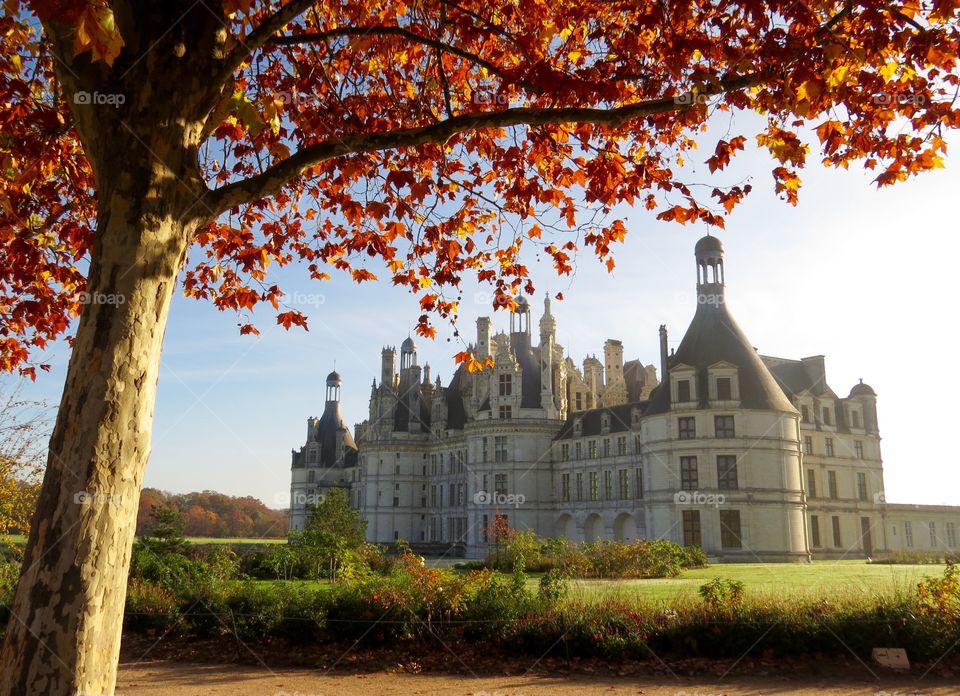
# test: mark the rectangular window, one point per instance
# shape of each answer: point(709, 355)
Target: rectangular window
point(594, 486)
point(730, 529)
point(506, 412)
point(608, 485)
point(723, 426)
point(579, 400)
point(579, 486)
point(506, 385)
point(855, 419)
point(606, 447)
point(484, 453)
point(832, 485)
point(500, 484)
point(858, 449)
point(724, 390)
point(578, 449)
point(621, 446)
point(500, 448)
point(623, 484)
point(815, 531)
point(807, 444)
point(837, 541)
point(487, 532)
point(861, 486)
point(689, 479)
point(638, 483)
point(691, 528)
point(908, 534)
point(565, 487)
point(951, 535)
point(687, 428)
point(804, 414)
point(828, 446)
point(683, 390)
point(564, 452)
point(592, 449)
point(727, 472)
point(933, 534)
point(396, 501)
point(827, 419)
point(811, 483)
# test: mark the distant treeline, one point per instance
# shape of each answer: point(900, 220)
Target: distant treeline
point(212, 514)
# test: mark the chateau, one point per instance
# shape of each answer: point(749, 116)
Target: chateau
point(751, 457)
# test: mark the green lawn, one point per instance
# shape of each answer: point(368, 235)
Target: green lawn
point(250, 540)
point(20, 539)
point(819, 579)
point(827, 579)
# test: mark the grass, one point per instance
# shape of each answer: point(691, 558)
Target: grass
point(831, 579)
point(239, 540)
point(20, 539)
point(821, 579)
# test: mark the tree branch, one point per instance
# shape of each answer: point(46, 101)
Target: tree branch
point(275, 177)
point(263, 33)
point(384, 30)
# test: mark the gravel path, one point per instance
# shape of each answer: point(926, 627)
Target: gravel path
point(185, 679)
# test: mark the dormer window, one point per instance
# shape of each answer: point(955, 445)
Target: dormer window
point(683, 390)
point(723, 384)
point(577, 427)
point(804, 413)
point(506, 385)
point(724, 389)
point(855, 419)
point(635, 416)
point(605, 423)
point(827, 417)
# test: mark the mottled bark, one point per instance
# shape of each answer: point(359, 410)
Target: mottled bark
point(63, 637)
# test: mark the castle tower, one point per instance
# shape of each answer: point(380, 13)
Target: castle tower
point(388, 366)
point(483, 338)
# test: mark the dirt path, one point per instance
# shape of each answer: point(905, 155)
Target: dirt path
point(185, 679)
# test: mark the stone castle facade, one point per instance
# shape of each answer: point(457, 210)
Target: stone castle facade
point(750, 457)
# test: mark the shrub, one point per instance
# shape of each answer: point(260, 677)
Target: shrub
point(171, 570)
point(553, 586)
point(940, 597)
point(254, 611)
point(151, 607)
point(722, 594)
point(9, 575)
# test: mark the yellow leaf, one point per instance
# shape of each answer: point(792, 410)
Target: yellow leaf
point(837, 76)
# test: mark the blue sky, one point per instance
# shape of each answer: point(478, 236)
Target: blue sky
point(865, 277)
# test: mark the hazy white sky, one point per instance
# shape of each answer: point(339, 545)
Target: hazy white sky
point(867, 278)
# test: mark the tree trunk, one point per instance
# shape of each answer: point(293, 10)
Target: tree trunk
point(64, 633)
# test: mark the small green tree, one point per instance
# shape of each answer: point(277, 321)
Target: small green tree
point(334, 530)
point(334, 522)
point(165, 535)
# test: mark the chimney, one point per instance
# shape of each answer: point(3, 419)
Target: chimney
point(663, 354)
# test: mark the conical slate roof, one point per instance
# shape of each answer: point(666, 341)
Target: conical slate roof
point(714, 336)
